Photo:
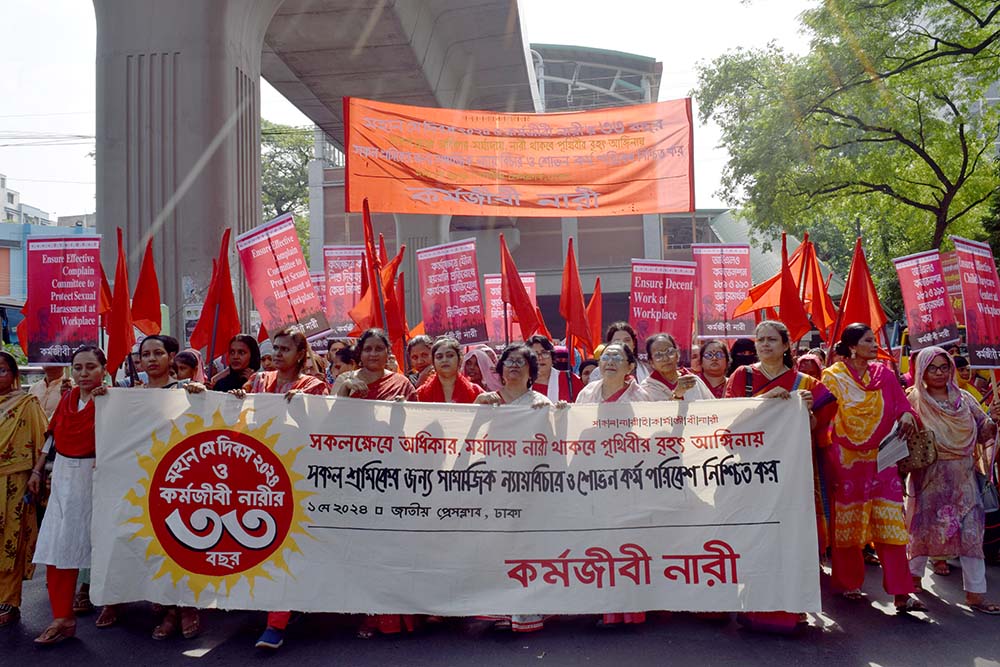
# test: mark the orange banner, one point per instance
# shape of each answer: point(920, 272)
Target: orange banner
point(620, 161)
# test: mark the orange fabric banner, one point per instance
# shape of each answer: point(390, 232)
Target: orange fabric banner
point(627, 160)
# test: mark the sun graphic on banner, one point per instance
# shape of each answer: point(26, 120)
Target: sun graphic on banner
point(218, 504)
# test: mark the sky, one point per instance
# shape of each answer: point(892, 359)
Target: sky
point(47, 70)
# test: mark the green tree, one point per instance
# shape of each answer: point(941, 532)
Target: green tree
point(285, 152)
point(880, 128)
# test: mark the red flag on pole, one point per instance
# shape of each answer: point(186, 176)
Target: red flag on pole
point(814, 292)
point(104, 300)
point(571, 304)
point(262, 334)
point(542, 329)
point(790, 310)
point(512, 291)
point(146, 299)
point(220, 319)
point(121, 336)
point(768, 293)
point(860, 301)
point(595, 316)
point(369, 312)
point(23, 328)
point(383, 254)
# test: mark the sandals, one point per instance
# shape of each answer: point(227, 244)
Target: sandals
point(941, 568)
point(911, 605)
point(9, 614)
point(82, 604)
point(108, 617)
point(168, 626)
point(984, 607)
point(190, 622)
point(56, 633)
point(854, 596)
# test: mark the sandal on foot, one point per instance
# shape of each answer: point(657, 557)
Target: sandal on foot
point(55, 634)
point(9, 614)
point(853, 596)
point(941, 568)
point(985, 608)
point(911, 605)
point(108, 617)
point(918, 585)
point(190, 622)
point(167, 628)
point(82, 604)
point(365, 633)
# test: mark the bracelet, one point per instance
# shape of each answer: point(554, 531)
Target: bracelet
point(35, 472)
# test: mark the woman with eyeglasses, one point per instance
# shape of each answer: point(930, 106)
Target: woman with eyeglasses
point(622, 332)
point(944, 510)
point(867, 503)
point(557, 385)
point(666, 381)
point(773, 376)
point(714, 357)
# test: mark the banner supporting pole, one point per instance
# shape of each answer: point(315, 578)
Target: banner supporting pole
point(211, 349)
point(506, 325)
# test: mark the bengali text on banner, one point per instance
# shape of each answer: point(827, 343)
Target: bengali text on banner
point(723, 280)
point(451, 302)
point(981, 297)
point(64, 280)
point(925, 297)
point(953, 282)
point(662, 301)
point(345, 505)
point(279, 280)
point(494, 306)
point(626, 160)
point(342, 264)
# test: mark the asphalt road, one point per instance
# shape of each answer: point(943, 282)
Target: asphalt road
point(847, 633)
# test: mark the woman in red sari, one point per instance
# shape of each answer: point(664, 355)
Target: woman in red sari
point(290, 352)
point(446, 384)
point(666, 381)
point(773, 376)
point(555, 384)
point(373, 381)
point(714, 358)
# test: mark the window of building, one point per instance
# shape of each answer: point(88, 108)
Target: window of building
point(10, 198)
point(5, 271)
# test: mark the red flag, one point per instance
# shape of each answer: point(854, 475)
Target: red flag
point(218, 298)
point(768, 293)
point(383, 254)
point(595, 315)
point(571, 304)
point(512, 291)
point(860, 302)
point(790, 310)
point(104, 300)
point(542, 329)
point(395, 312)
point(262, 334)
point(401, 305)
point(23, 327)
point(815, 297)
point(121, 336)
point(367, 312)
point(146, 299)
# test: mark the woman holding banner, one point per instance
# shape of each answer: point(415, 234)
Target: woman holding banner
point(773, 376)
point(556, 385)
point(22, 434)
point(666, 381)
point(867, 503)
point(944, 510)
point(446, 384)
point(244, 361)
point(479, 366)
point(714, 358)
point(290, 351)
point(373, 380)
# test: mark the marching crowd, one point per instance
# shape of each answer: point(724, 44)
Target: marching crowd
point(854, 395)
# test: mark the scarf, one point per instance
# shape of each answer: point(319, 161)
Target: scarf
point(73, 429)
point(22, 431)
point(953, 424)
point(491, 381)
point(431, 391)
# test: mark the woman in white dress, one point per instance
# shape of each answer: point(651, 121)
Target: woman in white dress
point(666, 381)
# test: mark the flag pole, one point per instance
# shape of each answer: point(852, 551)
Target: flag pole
point(506, 324)
point(211, 349)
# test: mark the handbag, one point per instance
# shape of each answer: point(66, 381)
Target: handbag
point(987, 484)
point(923, 452)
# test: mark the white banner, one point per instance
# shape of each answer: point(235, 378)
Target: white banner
point(344, 505)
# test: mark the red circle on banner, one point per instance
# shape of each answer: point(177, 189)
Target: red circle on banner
point(220, 503)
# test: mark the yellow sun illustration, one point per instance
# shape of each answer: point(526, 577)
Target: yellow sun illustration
point(144, 530)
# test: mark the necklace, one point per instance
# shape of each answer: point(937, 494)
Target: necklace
point(768, 374)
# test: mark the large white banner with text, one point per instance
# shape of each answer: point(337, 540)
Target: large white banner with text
point(345, 505)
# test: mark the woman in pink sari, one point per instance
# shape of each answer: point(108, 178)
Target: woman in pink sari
point(867, 504)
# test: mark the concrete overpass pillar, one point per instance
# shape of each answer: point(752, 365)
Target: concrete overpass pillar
point(416, 232)
point(178, 134)
point(652, 236)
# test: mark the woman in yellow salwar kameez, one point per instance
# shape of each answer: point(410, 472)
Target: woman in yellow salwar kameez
point(22, 435)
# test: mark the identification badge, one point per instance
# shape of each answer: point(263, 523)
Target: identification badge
point(73, 463)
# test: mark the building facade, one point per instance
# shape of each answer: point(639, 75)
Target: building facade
point(15, 211)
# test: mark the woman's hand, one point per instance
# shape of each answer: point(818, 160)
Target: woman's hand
point(777, 392)
point(540, 402)
point(35, 482)
point(489, 398)
point(291, 393)
point(684, 383)
point(561, 405)
point(99, 390)
point(349, 383)
point(238, 393)
point(194, 388)
point(807, 398)
point(907, 425)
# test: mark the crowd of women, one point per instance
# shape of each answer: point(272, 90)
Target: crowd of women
point(853, 397)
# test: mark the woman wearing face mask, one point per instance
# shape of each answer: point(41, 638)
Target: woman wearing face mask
point(557, 385)
point(943, 507)
point(867, 503)
point(666, 381)
point(244, 361)
point(446, 384)
point(617, 364)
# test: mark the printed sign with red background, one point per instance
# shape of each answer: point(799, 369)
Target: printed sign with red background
point(318, 279)
point(279, 279)
point(342, 264)
point(63, 286)
point(981, 297)
point(723, 280)
point(450, 299)
point(953, 282)
point(494, 306)
point(662, 300)
point(925, 298)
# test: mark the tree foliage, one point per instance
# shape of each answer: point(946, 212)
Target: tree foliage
point(881, 127)
point(285, 153)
